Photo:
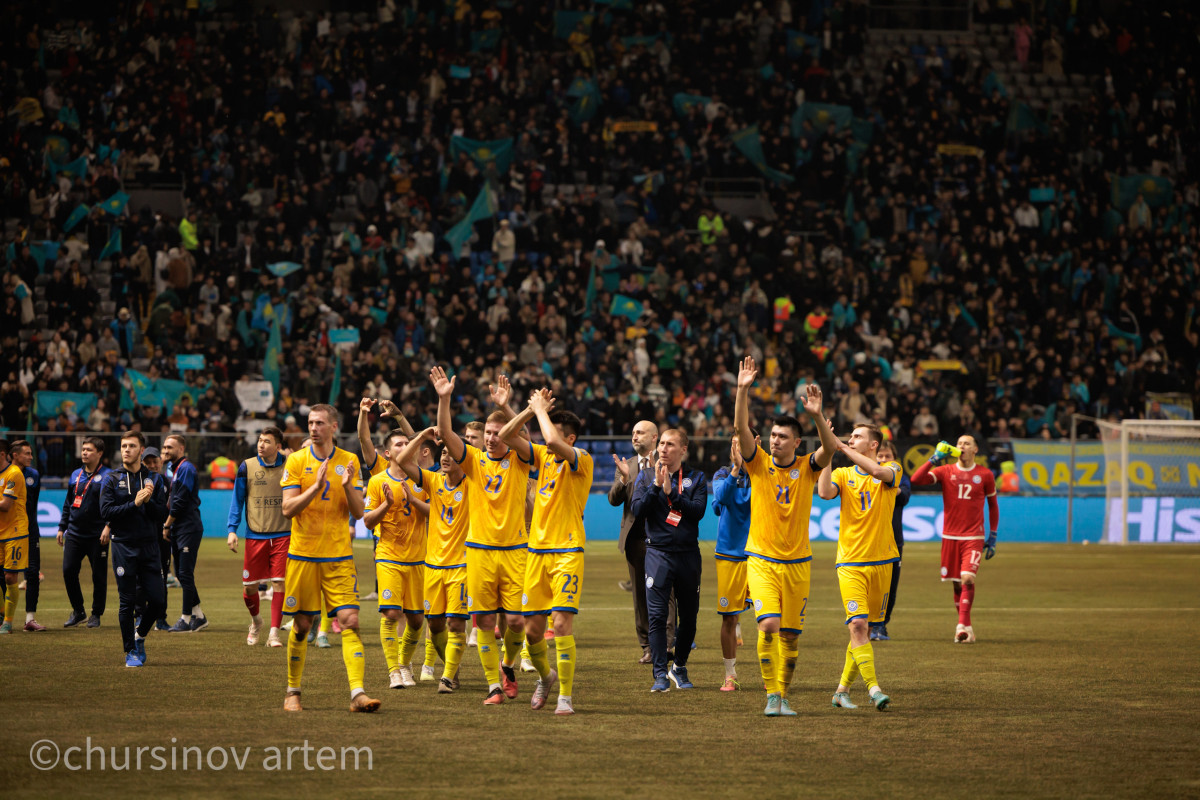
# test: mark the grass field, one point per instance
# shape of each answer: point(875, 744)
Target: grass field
point(1083, 684)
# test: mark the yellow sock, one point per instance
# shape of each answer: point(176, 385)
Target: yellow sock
point(352, 654)
point(864, 657)
point(325, 625)
point(485, 638)
point(788, 652)
point(850, 671)
point(12, 592)
point(565, 645)
point(297, 648)
point(430, 650)
point(512, 645)
point(439, 644)
point(387, 637)
point(766, 661)
point(538, 654)
point(455, 644)
point(408, 644)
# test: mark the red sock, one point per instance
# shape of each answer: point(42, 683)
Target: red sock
point(957, 594)
point(252, 602)
point(964, 609)
point(277, 609)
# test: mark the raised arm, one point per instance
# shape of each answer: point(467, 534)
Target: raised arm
point(393, 411)
point(870, 466)
point(413, 500)
point(741, 407)
point(408, 456)
point(445, 425)
point(540, 403)
point(365, 442)
point(501, 393)
point(513, 432)
point(826, 488)
point(353, 490)
point(379, 505)
point(829, 443)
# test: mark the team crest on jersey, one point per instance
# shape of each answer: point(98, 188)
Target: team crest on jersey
point(794, 474)
point(945, 572)
point(758, 605)
point(874, 480)
point(687, 483)
point(387, 594)
point(470, 601)
point(29, 481)
point(977, 479)
point(649, 581)
point(340, 469)
point(120, 571)
point(428, 605)
point(458, 497)
point(245, 574)
point(524, 599)
point(852, 606)
point(723, 602)
point(290, 602)
point(504, 464)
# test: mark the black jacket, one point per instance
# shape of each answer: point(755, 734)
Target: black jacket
point(130, 523)
point(652, 504)
point(84, 522)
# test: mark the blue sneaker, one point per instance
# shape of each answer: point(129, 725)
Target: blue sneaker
point(140, 646)
point(162, 625)
point(873, 634)
point(773, 703)
point(661, 684)
point(180, 627)
point(883, 634)
point(132, 660)
point(199, 623)
point(679, 677)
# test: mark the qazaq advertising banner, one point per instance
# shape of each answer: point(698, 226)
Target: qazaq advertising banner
point(1161, 468)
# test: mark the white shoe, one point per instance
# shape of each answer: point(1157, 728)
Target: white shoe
point(287, 626)
point(273, 639)
point(960, 633)
point(471, 638)
point(406, 676)
point(394, 680)
point(564, 709)
point(252, 634)
point(371, 596)
point(527, 665)
point(970, 635)
point(269, 593)
point(427, 674)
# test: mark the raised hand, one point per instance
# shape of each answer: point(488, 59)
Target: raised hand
point(666, 485)
point(365, 404)
point(388, 408)
point(441, 384)
point(143, 494)
point(622, 465)
point(813, 399)
point(322, 471)
point(540, 401)
point(428, 433)
point(388, 497)
point(348, 476)
point(735, 455)
point(408, 492)
point(501, 390)
point(747, 373)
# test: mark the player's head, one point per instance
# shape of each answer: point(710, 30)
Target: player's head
point(886, 452)
point(429, 454)
point(865, 439)
point(394, 444)
point(174, 447)
point(91, 451)
point(132, 445)
point(644, 437)
point(21, 453)
point(270, 439)
point(450, 468)
point(491, 434)
point(969, 447)
point(567, 424)
point(672, 448)
point(322, 424)
point(785, 438)
point(473, 434)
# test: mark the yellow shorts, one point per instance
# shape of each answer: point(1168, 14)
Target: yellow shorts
point(495, 580)
point(553, 582)
point(865, 591)
point(313, 585)
point(401, 587)
point(446, 592)
point(733, 592)
point(14, 554)
point(779, 590)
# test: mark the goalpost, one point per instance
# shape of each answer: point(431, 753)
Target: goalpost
point(1152, 480)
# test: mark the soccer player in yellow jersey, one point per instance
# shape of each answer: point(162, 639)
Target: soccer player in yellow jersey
point(554, 566)
point(496, 480)
point(398, 512)
point(445, 555)
point(14, 533)
point(778, 553)
point(866, 551)
point(321, 492)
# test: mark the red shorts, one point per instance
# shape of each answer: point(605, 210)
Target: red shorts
point(959, 557)
point(265, 560)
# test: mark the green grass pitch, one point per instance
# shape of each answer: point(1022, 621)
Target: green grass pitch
point(1083, 684)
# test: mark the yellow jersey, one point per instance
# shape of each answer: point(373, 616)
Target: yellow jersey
point(14, 523)
point(380, 464)
point(780, 508)
point(401, 533)
point(865, 537)
point(447, 543)
point(562, 492)
point(321, 532)
point(496, 491)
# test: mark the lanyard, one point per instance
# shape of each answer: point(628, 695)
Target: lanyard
point(87, 485)
point(678, 487)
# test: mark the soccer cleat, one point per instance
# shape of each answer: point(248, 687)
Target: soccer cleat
point(173, 582)
point(881, 701)
point(371, 596)
point(180, 627)
point(273, 639)
point(312, 632)
point(661, 684)
point(252, 633)
point(873, 634)
point(292, 702)
point(508, 680)
point(33, 625)
point(406, 676)
point(883, 634)
point(960, 633)
point(564, 709)
point(426, 674)
point(287, 626)
point(445, 686)
point(773, 703)
point(132, 660)
point(625, 586)
point(970, 635)
point(394, 680)
point(322, 641)
point(471, 638)
point(785, 708)
point(363, 704)
point(161, 625)
point(5, 627)
point(140, 646)
point(454, 684)
point(498, 633)
point(548, 635)
point(199, 623)
point(679, 677)
point(495, 698)
point(730, 684)
point(527, 665)
point(75, 618)
point(842, 700)
point(542, 691)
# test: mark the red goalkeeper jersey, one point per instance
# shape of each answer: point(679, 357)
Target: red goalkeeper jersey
point(964, 493)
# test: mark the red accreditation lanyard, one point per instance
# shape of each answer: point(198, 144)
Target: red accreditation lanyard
point(78, 496)
point(673, 516)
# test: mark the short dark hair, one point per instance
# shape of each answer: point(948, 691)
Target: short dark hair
point(182, 441)
point(785, 421)
point(754, 432)
point(94, 441)
point(19, 444)
point(873, 432)
point(273, 432)
point(394, 433)
point(134, 435)
point(327, 410)
point(566, 420)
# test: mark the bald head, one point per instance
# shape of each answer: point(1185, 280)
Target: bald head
point(645, 437)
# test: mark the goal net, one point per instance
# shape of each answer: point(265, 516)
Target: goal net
point(1152, 480)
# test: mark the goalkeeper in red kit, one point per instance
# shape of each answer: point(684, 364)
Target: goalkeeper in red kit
point(965, 486)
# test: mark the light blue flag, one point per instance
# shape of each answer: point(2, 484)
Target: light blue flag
point(189, 361)
point(335, 388)
point(48, 405)
point(78, 215)
point(587, 101)
point(113, 248)
point(1157, 191)
point(281, 269)
point(626, 306)
point(499, 151)
point(460, 72)
point(58, 148)
point(821, 116)
point(749, 143)
point(801, 45)
point(684, 102)
point(485, 40)
point(78, 168)
point(273, 355)
point(483, 207)
point(43, 252)
point(566, 21)
point(115, 204)
point(343, 335)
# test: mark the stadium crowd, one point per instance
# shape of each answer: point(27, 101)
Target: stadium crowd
point(924, 287)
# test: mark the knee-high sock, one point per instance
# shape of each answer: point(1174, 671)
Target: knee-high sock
point(297, 649)
point(538, 654)
point(387, 637)
point(767, 656)
point(565, 645)
point(964, 606)
point(430, 650)
point(277, 609)
point(957, 594)
point(850, 671)
point(455, 644)
point(439, 643)
point(251, 603)
point(408, 644)
point(352, 655)
point(325, 624)
point(864, 657)
point(10, 602)
point(789, 650)
point(512, 645)
point(489, 656)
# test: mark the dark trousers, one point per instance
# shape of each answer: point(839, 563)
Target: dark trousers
point(185, 544)
point(33, 584)
point(635, 559)
point(75, 550)
point(137, 564)
point(895, 581)
point(667, 573)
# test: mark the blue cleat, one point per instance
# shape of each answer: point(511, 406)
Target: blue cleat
point(773, 703)
point(842, 700)
point(199, 623)
point(140, 646)
point(883, 634)
point(162, 625)
point(679, 677)
point(881, 701)
point(661, 684)
point(132, 660)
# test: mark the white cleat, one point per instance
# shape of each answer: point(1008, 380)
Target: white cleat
point(406, 676)
point(564, 708)
point(252, 633)
point(273, 639)
point(969, 635)
point(960, 633)
point(527, 665)
point(427, 674)
point(394, 680)
point(471, 639)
